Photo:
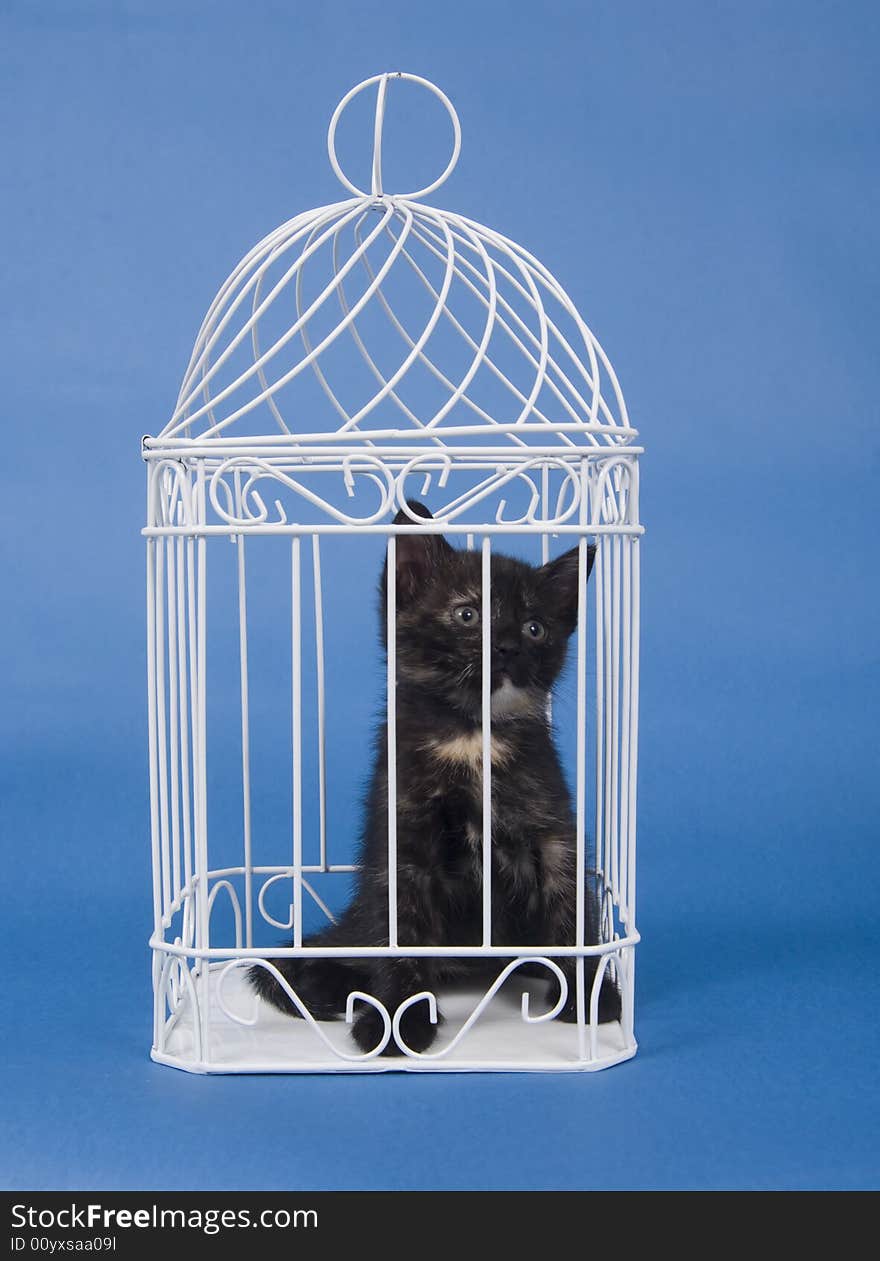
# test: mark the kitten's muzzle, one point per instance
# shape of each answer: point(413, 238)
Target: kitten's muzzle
point(507, 663)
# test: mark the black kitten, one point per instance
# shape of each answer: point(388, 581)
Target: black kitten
point(439, 792)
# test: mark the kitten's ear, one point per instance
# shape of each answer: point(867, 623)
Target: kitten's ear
point(560, 578)
point(418, 555)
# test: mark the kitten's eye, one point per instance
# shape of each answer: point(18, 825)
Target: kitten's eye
point(534, 630)
point(467, 614)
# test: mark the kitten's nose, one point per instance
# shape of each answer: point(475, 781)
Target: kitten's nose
point(506, 649)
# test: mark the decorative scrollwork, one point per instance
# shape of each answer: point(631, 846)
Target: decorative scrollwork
point(505, 474)
point(244, 506)
point(236, 907)
point(171, 499)
point(612, 498)
point(175, 980)
point(288, 923)
point(428, 997)
point(296, 1001)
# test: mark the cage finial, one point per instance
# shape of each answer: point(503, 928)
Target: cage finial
point(376, 185)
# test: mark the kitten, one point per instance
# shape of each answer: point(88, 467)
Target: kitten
point(439, 792)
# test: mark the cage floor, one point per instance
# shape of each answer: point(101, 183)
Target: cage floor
point(499, 1041)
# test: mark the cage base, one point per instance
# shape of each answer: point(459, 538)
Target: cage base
point(499, 1041)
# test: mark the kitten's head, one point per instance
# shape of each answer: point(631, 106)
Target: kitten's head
point(439, 622)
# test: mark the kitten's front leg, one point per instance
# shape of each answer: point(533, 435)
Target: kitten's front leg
point(392, 981)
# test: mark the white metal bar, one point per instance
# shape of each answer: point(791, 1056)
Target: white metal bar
point(599, 589)
point(376, 174)
point(296, 716)
point(545, 511)
point(173, 720)
point(452, 527)
point(391, 635)
point(161, 728)
point(245, 741)
point(580, 797)
point(545, 549)
point(319, 676)
point(399, 952)
point(194, 692)
point(185, 801)
point(293, 442)
point(581, 777)
point(152, 546)
point(203, 924)
point(634, 739)
point(608, 697)
point(615, 716)
point(628, 958)
point(486, 614)
point(625, 715)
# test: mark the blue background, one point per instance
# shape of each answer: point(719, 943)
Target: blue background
point(704, 179)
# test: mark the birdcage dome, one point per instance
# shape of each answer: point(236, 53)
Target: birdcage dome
point(380, 318)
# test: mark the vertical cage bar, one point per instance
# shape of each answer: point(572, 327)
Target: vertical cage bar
point(634, 738)
point(545, 551)
point(627, 992)
point(203, 930)
point(296, 705)
point(151, 730)
point(193, 697)
point(161, 729)
point(615, 715)
point(608, 696)
point(625, 717)
point(486, 615)
point(391, 637)
point(581, 788)
point(173, 716)
point(245, 743)
point(202, 867)
point(319, 666)
point(184, 722)
point(598, 587)
point(545, 511)
point(156, 962)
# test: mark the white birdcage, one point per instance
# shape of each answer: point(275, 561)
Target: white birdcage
point(362, 353)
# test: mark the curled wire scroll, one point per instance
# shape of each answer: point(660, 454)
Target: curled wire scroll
point(234, 494)
point(303, 1011)
point(428, 997)
point(245, 506)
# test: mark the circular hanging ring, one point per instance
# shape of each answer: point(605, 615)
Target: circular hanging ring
point(382, 80)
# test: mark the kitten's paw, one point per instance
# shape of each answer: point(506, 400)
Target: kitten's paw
point(368, 1030)
point(610, 1006)
point(416, 1028)
point(609, 1003)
